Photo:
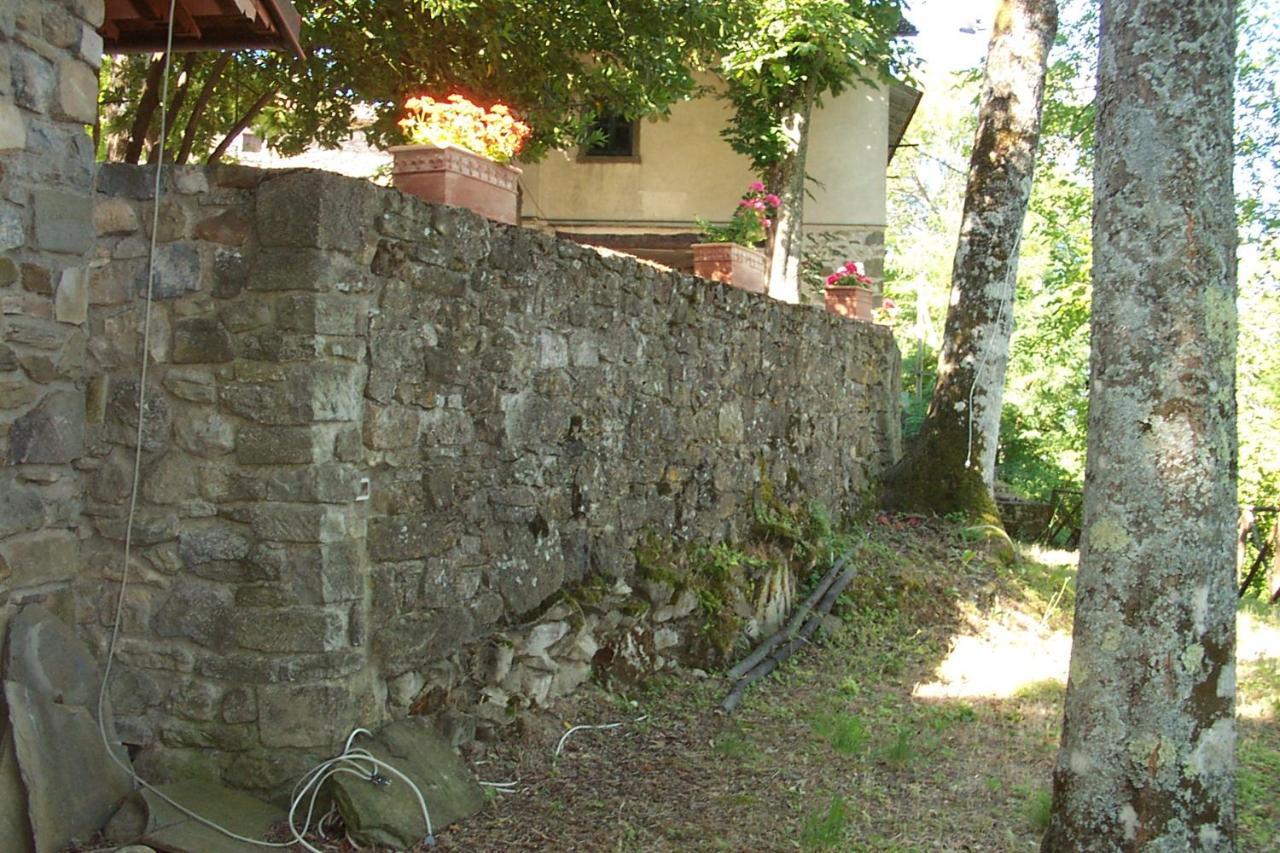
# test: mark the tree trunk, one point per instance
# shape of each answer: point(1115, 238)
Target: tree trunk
point(175, 106)
point(146, 109)
point(245, 120)
point(197, 109)
point(950, 465)
point(1148, 746)
point(787, 180)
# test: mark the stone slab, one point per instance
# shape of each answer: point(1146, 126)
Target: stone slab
point(390, 814)
point(149, 819)
point(51, 689)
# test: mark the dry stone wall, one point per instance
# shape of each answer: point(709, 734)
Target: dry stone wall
point(382, 436)
point(49, 56)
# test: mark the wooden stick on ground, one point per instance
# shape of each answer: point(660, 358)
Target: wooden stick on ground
point(794, 622)
point(781, 653)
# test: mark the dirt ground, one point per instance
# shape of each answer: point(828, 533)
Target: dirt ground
point(926, 719)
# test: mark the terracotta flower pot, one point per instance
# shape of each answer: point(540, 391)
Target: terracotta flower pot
point(738, 266)
point(855, 303)
point(458, 177)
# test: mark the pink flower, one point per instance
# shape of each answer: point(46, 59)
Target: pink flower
point(833, 278)
point(767, 222)
point(773, 200)
point(757, 187)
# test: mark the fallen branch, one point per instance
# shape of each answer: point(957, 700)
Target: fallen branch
point(789, 630)
point(782, 652)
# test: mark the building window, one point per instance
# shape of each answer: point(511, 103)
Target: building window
point(616, 138)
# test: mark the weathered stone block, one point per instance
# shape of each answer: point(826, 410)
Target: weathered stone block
point(314, 574)
point(171, 480)
point(199, 545)
point(286, 268)
point(122, 410)
point(414, 640)
point(315, 209)
point(259, 668)
point(321, 483)
point(321, 314)
point(201, 340)
point(114, 216)
point(204, 432)
point(275, 446)
point(34, 79)
point(407, 537)
point(290, 629)
point(230, 228)
point(17, 393)
point(230, 273)
point(43, 557)
point(71, 304)
point(13, 129)
point(195, 385)
point(177, 271)
point(307, 715)
point(51, 433)
point(300, 523)
point(198, 611)
point(390, 427)
point(77, 91)
point(63, 221)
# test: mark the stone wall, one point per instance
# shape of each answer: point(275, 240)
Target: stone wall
point(830, 247)
point(381, 436)
point(49, 55)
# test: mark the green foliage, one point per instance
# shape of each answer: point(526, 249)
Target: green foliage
point(825, 828)
point(845, 733)
point(901, 751)
point(558, 64)
point(788, 50)
point(1039, 809)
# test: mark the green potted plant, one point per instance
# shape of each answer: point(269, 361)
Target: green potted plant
point(848, 292)
point(729, 253)
point(458, 153)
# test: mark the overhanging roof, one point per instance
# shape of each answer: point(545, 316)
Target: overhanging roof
point(141, 26)
point(903, 101)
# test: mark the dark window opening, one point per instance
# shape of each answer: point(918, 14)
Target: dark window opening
point(612, 135)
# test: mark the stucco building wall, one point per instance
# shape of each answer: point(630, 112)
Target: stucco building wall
point(686, 170)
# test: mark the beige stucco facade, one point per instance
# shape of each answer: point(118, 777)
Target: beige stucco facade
point(686, 170)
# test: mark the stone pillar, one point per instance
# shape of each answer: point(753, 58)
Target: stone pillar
point(244, 652)
point(49, 57)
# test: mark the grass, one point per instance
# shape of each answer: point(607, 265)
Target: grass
point(845, 733)
point(825, 829)
point(929, 720)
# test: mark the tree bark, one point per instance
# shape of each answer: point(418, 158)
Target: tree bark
point(146, 109)
point(1148, 748)
point(245, 120)
point(950, 465)
point(175, 106)
point(787, 180)
point(198, 108)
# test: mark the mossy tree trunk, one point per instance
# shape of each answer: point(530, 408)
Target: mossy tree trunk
point(949, 465)
point(787, 180)
point(1148, 747)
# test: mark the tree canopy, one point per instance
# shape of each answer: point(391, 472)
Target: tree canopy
point(558, 64)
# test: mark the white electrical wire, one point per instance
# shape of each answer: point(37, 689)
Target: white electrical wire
point(565, 737)
point(349, 760)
